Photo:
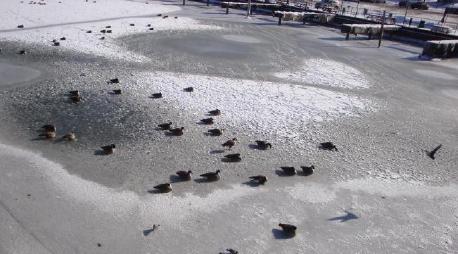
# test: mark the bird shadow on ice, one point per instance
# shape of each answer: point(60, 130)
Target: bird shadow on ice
point(253, 146)
point(99, 152)
point(280, 235)
point(175, 179)
point(217, 151)
point(280, 173)
point(344, 218)
point(251, 183)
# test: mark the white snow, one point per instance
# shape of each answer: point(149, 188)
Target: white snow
point(72, 19)
point(326, 72)
point(266, 108)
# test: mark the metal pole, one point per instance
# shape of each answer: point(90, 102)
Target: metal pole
point(357, 5)
point(381, 30)
point(184, 2)
point(405, 15)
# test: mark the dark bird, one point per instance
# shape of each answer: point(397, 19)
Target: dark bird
point(69, 136)
point(146, 232)
point(113, 81)
point(164, 17)
point(56, 44)
point(108, 27)
point(89, 31)
point(230, 143)
point(132, 24)
point(207, 121)
point(328, 146)
point(109, 149)
point(288, 229)
point(215, 112)
point(230, 251)
point(149, 25)
point(103, 31)
point(109, 31)
point(344, 218)
point(215, 132)
point(165, 126)
point(117, 91)
point(184, 175)
point(306, 171)
point(289, 171)
point(63, 39)
point(102, 38)
point(263, 145)
point(189, 89)
point(432, 154)
point(159, 15)
point(151, 29)
point(259, 179)
point(156, 95)
point(21, 52)
point(49, 128)
point(74, 93)
point(175, 17)
point(20, 26)
point(212, 176)
point(75, 98)
point(163, 188)
point(234, 157)
point(177, 131)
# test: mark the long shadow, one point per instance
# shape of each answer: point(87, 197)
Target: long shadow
point(100, 152)
point(177, 179)
point(217, 151)
point(344, 218)
point(252, 183)
point(281, 173)
point(280, 235)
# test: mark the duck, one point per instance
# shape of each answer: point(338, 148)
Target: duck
point(117, 91)
point(113, 81)
point(184, 175)
point(163, 188)
point(289, 171)
point(328, 146)
point(63, 39)
point(263, 145)
point(74, 93)
point(165, 126)
point(109, 31)
point(207, 121)
point(132, 24)
point(49, 128)
point(89, 31)
point(215, 112)
point(432, 154)
point(189, 89)
point(164, 17)
point(109, 149)
point(212, 176)
point(48, 134)
point(230, 143)
point(148, 25)
point(69, 136)
point(307, 170)
point(288, 229)
point(151, 28)
point(156, 95)
point(20, 26)
point(56, 44)
point(108, 27)
point(102, 38)
point(233, 157)
point(177, 131)
point(75, 98)
point(103, 31)
point(21, 52)
point(259, 179)
point(216, 132)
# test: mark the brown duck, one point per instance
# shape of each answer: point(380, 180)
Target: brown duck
point(212, 176)
point(177, 131)
point(230, 143)
point(216, 132)
point(163, 188)
point(184, 175)
point(259, 179)
point(109, 149)
point(207, 121)
point(165, 126)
